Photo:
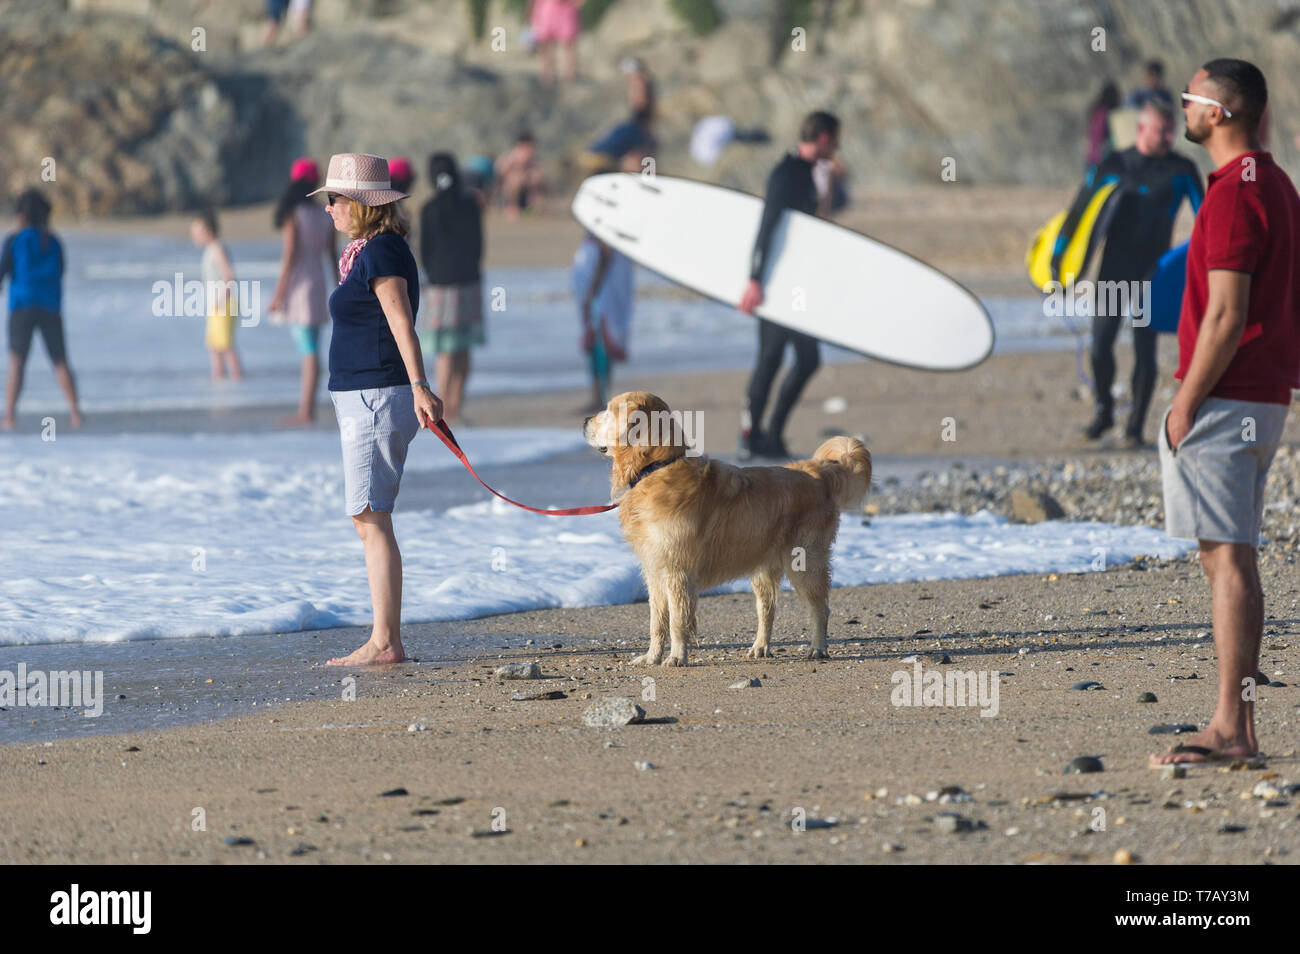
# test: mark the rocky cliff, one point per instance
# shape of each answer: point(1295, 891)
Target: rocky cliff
point(154, 104)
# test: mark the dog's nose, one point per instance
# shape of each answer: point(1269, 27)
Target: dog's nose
point(586, 420)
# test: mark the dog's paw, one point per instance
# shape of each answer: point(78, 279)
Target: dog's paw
point(645, 659)
point(759, 652)
point(675, 660)
point(816, 652)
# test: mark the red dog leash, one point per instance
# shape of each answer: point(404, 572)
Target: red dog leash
point(445, 435)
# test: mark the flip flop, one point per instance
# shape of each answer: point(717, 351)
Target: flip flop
point(1207, 755)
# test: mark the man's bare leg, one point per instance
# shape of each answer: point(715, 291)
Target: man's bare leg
point(13, 387)
point(384, 568)
point(68, 384)
point(1238, 609)
point(456, 385)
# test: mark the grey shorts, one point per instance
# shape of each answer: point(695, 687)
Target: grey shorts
point(1214, 482)
point(375, 425)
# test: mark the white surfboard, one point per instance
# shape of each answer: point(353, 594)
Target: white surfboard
point(822, 279)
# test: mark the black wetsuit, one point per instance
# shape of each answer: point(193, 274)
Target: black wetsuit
point(1152, 189)
point(790, 186)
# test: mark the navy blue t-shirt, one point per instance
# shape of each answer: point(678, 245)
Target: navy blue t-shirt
point(363, 352)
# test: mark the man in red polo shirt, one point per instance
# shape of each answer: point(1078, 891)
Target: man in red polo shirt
point(1239, 358)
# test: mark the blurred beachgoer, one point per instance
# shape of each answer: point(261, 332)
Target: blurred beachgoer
point(642, 98)
point(636, 132)
point(32, 260)
point(478, 177)
point(302, 286)
point(300, 16)
point(1239, 362)
point(1099, 143)
point(711, 135)
point(1153, 87)
point(275, 11)
point(606, 154)
point(556, 22)
point(790, 186)
point(520, 175)
point(377, 380)
point(451, 251)
point(602, 281)
point(831, 178)
point(219, 285)
point(402, 173)
point(1153, 182)
point(710, 138)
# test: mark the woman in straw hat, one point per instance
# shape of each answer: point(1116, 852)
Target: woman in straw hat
point(377, 378)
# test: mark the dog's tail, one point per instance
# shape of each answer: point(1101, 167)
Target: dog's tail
point(844, 463)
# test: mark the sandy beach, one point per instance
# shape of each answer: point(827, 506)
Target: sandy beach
point(816, 764)
point(732, 768)
point(329, 781)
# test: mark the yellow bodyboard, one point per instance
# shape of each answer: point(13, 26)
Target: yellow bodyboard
point(1038, 259)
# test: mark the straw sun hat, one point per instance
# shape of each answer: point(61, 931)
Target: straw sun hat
point(361, 177)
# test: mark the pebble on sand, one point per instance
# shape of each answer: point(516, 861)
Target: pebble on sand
point(1124, 857)
point(1176, 728)
point(950, 823)
point(1083, 765)
point(519, 671)
point(1087, 684)
point(1148, 697)
point(613, 711)
point(1032, 506)
point(750, 683)
point(529, 695)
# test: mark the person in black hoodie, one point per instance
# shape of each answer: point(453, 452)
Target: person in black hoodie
point(451, 253)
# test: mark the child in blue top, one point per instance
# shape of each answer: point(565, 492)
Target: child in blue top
point(32, 259)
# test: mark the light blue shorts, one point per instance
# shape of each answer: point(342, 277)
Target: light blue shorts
point(376, 425)
point(307, 338)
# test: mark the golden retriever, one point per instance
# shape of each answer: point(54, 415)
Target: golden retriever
point(696, 523)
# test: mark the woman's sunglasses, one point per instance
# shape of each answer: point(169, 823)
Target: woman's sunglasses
point(332, 198)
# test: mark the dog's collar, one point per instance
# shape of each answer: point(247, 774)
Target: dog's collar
point(649, 469)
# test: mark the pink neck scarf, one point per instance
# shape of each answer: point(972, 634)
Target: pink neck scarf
point(350, 253)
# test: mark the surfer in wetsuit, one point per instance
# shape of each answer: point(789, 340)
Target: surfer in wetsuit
point(1153, 181)
point(790, 186)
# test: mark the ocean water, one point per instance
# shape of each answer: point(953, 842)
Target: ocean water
point(128, 537)
point(132, 537)
point(126, 358)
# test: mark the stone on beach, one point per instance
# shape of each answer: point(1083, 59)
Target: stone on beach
point(613, 711)
point(519, 671)
point(1034, 506)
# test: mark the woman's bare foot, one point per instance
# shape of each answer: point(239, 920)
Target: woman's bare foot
point(371, 654)
point(1208, 745)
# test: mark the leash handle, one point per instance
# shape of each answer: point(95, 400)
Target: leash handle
point(445, 435)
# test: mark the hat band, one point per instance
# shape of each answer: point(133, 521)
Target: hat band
point(332, 183)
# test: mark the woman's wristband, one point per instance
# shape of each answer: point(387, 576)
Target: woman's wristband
point(422, 384)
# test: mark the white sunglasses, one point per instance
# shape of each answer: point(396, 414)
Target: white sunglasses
point(1206, 101)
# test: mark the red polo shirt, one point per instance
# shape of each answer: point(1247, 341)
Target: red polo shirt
point(1249, 222)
